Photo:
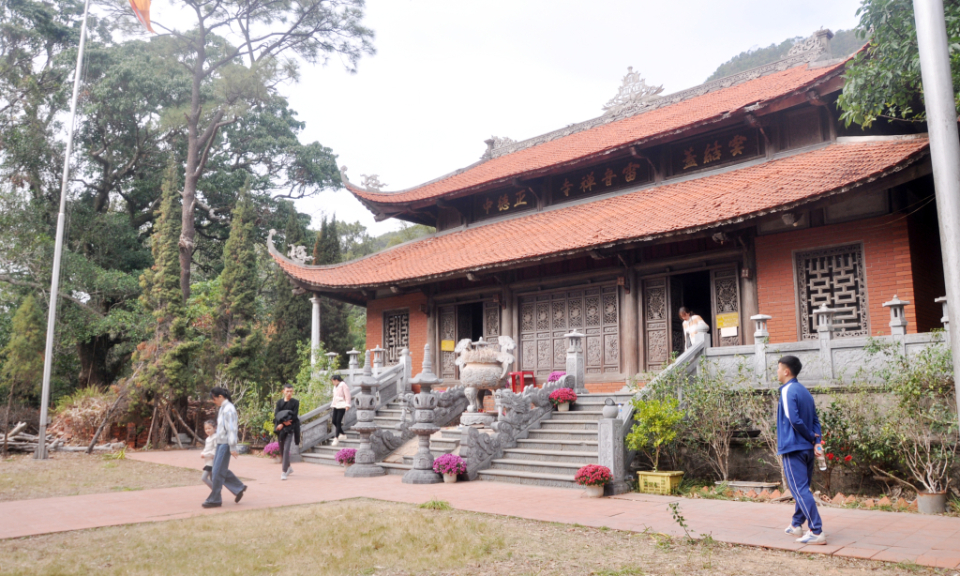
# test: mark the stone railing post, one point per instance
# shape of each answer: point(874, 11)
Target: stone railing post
point(898, 322)
point(424, 404)
point(407, 361)
point(825, 330)
point(377, 360)
point(365, 461)
point(946, 318)
point(702, 335)
point(610, 431)
point(353, 365)
point(761, 336)
point(575, 367)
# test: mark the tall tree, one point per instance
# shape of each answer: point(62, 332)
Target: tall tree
point(291, 313)
point(231, 76)
point(23, 354)
point(239, 288)
point(334, 321)
point(883, 81)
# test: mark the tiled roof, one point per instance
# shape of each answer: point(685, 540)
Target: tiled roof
point(677, 208)
point(709, 107)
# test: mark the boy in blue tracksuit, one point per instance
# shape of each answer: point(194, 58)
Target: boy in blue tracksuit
point(798, 443)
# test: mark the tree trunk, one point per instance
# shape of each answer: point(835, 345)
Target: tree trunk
point(6, 420)
point(93, 362)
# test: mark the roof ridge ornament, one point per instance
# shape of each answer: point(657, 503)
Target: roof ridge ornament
point(815, 47)
point(633, 93)
point(298, 254)
point(495, 143)
point(372, 182)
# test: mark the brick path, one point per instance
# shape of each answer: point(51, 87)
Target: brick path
point(888, 536)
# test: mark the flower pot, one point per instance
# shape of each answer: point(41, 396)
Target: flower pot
point(932, 502)
point(275, 458)
point(665, 483)
point(593, 491)
point(347, 464)
point(563, 407)
point(243, 448)
point(449, 478)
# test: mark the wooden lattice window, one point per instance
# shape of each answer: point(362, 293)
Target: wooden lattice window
point(545, 318)
point(396, 334)
point(836, 277)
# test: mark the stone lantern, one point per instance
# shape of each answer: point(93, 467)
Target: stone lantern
point(424, 404)
point(366, 404)
point(898, 322)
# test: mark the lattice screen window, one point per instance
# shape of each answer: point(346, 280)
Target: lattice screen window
point(835, 277)
point(545, 318)
point(396, 334)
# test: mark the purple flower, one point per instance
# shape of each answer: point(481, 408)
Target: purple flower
point(561, 395)
point(554, 376)
point(449, 464)
point(271, 449)
point(346, 455)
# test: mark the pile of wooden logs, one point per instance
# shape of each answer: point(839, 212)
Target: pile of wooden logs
point(19, 441)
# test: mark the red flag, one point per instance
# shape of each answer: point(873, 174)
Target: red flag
point(142, 9)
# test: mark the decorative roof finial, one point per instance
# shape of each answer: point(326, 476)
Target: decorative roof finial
point(298, 254)
point(371, 182)
point(494, 144)
point(633, 93)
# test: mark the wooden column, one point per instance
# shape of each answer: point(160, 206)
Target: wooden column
point(432, 331)
point(750, 300)
point(507, 322)
point(631, 327)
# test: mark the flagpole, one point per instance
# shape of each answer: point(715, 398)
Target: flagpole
point(41, 452)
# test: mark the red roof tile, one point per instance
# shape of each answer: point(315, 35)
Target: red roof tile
point(682, 207)
point(660, 121)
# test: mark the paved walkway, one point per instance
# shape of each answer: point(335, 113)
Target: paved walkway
point(888, 536)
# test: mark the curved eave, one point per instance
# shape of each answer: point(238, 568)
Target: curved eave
point(644, 215)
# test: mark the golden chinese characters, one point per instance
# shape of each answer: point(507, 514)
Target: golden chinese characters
point(736, 145)
point(488, 205)
point(630, 172)
point(567, 186)
point(689, 158)
point(521, 198)
point(588, 182)
point(503, 203)
point(608, 177)
point(712, 153)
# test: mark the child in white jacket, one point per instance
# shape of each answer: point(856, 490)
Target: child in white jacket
point(209, 450)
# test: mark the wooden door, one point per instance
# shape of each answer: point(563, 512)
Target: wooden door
point(656, 322)
point(678, 340)
point(725, 301)
point(491, 321)
point(448, 339)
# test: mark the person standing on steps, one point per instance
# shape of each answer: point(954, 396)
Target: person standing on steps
point(690, 323)
point(226, 441)
point(340, 404)
point(286, 417)
point(798, 444)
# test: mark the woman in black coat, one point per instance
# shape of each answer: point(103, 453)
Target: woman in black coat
point(286, 417)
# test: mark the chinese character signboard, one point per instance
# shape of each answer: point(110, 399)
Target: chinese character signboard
point(716, 150)
point(503, 202)
point(608, 177)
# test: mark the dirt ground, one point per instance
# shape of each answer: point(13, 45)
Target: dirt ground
point(376, 538)
point(70, 474)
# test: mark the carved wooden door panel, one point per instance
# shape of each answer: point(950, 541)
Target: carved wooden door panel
point(678, 340)
point(448, 332)
point(491, 320)
point(725, 301)
point(545, 318)
point(656, 322)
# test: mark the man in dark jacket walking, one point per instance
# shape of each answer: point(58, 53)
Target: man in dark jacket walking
point(798, 443)
point(286, 418)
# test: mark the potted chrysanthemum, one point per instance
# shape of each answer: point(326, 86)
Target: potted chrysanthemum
point(450, 466)
point(593, 477)
point(346, 456)
point(562, 398)
point(272, 449)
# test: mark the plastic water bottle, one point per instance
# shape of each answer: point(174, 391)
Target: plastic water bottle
point(620, 407)
point(821, 459)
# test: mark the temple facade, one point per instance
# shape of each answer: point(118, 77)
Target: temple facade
point(738, 197)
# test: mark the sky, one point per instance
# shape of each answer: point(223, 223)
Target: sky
point(449, 74)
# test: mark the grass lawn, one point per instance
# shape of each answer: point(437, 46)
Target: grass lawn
point(70, 474)
point(368, 537)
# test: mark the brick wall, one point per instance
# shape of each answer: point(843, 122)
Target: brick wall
point(887, 259)
point(418, 323)
point(604, 387)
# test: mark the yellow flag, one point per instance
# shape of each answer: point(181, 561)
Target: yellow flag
point(142, 9)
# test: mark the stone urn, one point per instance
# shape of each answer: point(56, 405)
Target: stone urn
point(483, 366)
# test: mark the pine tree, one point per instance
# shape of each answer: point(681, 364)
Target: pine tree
point(334, 322)
point(238, 304)
point(23, 354)
point(163, 374)
point(291, 315)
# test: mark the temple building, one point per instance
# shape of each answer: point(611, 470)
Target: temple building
point(741, 196)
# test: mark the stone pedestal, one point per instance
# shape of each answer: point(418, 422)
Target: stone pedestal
point(575, 367)
point(424, 404)
point(365, 465)
point(611, 449)
point(477, 419)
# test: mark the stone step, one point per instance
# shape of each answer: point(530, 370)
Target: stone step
point(408, 459)
point(530, 478)
point(314, 458)
point(452, 434)
point(348, 443)
point(386, 422)
point(563, 434)
point(538, 466)
point(443, 444)
point(567, 424)
point(558, 445)
point(390, 413)
point(585, 457)
point(395, 468)
point(577, 415)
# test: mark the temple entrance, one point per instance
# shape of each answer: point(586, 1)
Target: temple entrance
point(714, 294)
point(473, 320)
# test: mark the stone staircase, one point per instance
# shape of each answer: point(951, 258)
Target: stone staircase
point(387, 417)
point(442, 442)
point(552, 454)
